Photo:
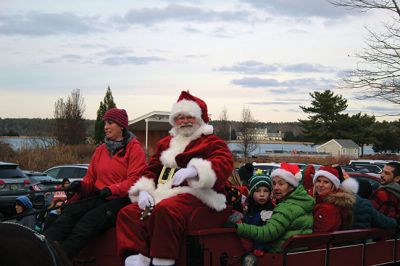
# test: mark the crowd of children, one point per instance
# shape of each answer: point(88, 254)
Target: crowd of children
point(322, 200)
point(40, 220)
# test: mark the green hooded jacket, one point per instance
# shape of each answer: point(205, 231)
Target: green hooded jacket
point(292, 216)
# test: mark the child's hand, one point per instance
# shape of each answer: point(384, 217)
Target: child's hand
point(235, 217)
point(229, 224)
point(265, 215)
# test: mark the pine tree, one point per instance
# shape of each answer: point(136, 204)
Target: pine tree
point(324, 114)
point(106, 104)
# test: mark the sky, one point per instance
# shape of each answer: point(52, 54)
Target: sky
point(263, 55)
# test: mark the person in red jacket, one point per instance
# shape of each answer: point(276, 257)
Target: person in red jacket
point(334, 206)
point(189, 170)
point(386, 199)
point(115, 166)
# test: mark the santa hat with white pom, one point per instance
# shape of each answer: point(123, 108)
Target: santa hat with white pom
point(289, 172)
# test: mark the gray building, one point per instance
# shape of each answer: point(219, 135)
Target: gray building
point(340, 147)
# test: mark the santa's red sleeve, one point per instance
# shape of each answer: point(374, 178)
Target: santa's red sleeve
point(214, 167)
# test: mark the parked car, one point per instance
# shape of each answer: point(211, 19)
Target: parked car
point(13, 183)
point(303, 166)
point(373, 166)
point(41, 181)
point(267, 168)
point(367, 168)
point(71, 171)
point(373, 180)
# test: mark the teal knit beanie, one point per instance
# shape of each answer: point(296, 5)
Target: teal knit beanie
point(259, 181)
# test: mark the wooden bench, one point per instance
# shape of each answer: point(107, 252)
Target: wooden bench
point(221, 246)
point(206, 244)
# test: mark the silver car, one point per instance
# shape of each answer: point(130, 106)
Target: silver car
point(71, 171)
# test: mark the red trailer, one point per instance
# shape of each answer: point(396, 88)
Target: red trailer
point(208, 244)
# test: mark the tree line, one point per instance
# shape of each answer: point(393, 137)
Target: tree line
point(326, 120)
point(37, 127)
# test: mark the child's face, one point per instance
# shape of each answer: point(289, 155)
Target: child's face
point(19, 209)
point(261, 195)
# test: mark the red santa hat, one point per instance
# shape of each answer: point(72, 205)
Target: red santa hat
point(189, 105)
point(289, 172)
point(328, 172)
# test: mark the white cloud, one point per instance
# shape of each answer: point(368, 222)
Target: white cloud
point(228, 52)
point(42, 24)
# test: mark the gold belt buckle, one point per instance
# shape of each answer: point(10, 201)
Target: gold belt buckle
point(166, 175)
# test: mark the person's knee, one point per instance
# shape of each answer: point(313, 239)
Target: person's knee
point(128, 213)
point(163, 209)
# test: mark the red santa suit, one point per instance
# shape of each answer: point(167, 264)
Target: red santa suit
point(161, 234)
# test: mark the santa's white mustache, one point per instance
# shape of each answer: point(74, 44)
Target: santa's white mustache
point(186, 125)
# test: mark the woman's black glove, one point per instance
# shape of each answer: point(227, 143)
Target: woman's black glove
point(75, 186)
point(105, 192)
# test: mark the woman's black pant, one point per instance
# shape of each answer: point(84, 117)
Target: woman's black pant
point(82, 220)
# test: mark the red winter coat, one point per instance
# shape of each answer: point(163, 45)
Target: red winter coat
point(117, 173)
point(333, 212)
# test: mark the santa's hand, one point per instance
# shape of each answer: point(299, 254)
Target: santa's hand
point(183, 174)
point(145, 199)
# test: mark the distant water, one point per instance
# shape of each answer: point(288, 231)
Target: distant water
point(17, 143)
point(287, 148)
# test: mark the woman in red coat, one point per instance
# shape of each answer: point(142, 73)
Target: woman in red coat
point(115, 166)
point(333, 208)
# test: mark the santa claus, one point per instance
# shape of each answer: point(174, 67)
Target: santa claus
point(188, 170)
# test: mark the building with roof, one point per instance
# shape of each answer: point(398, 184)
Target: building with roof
point(262, 134)
point(340, 147)
point(150, 128)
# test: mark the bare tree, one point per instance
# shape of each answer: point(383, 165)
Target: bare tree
point(247, 130)
point(378, 72)
point(222, 128)
point(70, 127)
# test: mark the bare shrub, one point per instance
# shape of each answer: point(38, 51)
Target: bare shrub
point(6, 152)
point(40, 159)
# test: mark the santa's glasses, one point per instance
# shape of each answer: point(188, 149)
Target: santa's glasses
point(181, 118)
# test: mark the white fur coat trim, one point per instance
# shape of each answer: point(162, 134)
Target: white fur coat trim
point(179, 143)
point(208, 196)
point(350, 185)
point(206, 175)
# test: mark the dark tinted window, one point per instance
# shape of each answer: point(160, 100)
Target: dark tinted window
point(41, 178)
point(367, 168)
point(9, 171)
point(374, 183)
point(81, 172)
point(267, 169)
point(53, 172)
point(67, 172)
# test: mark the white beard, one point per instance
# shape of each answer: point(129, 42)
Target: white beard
point(186, 131)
